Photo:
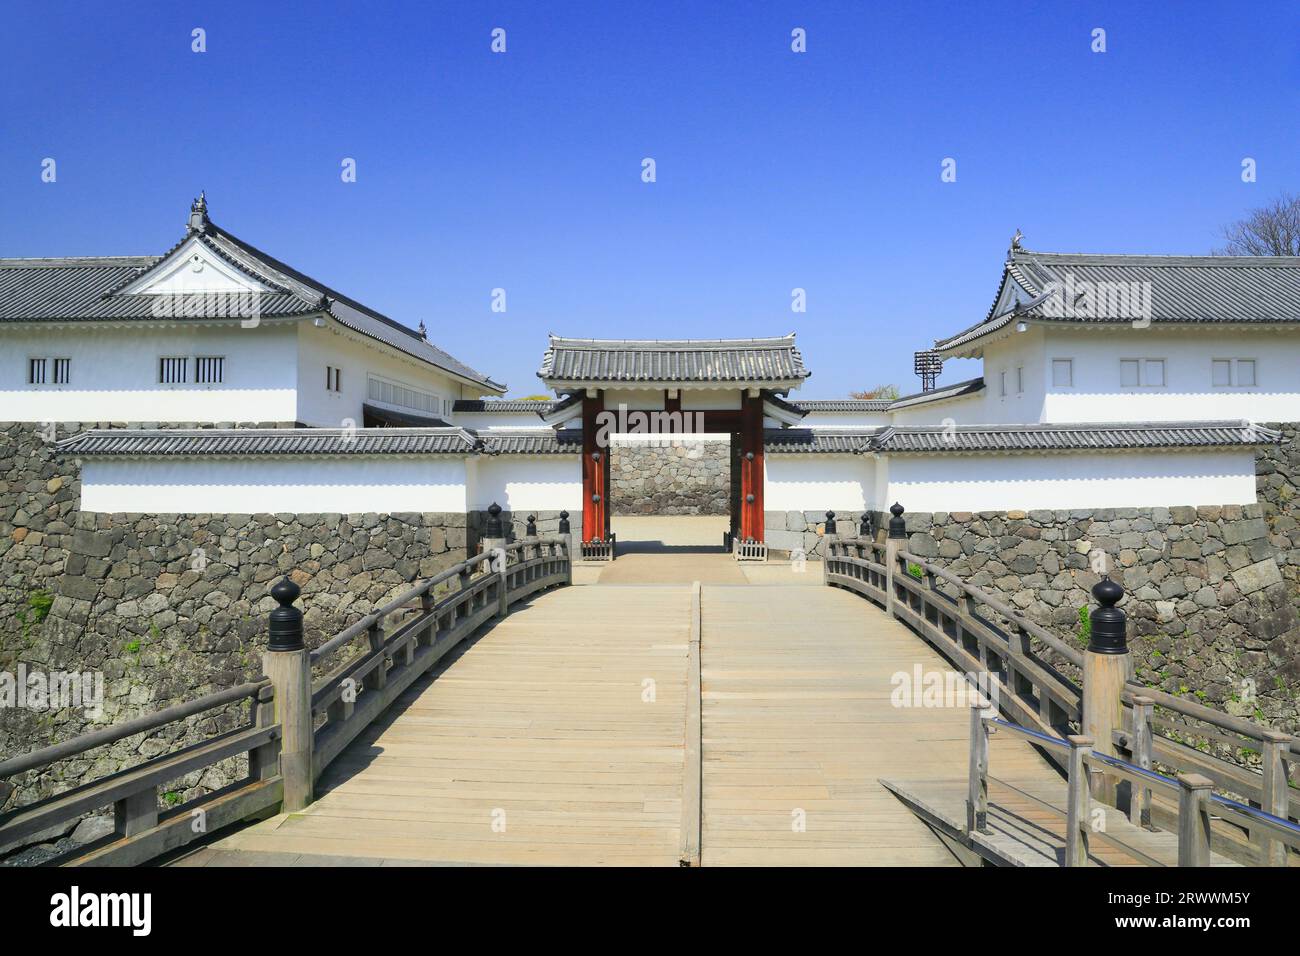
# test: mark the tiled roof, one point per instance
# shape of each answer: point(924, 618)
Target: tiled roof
point(806, 441)
point(1182, 289)
point(532, 441)
point(843, 404)
point(507, 406)
point(1016, 438)
point(347, 311)
point(1052, 437)
point(956, 390)
point(213, 442)
point(88, 290)
point(75, 290)
point(772, 361)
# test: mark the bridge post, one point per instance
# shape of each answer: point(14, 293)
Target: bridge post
point(1194, 819)
point(494, 540)
point(1078, 816)
point(567, 534)
point(288, 664)
point(893, 544)
point(1106, 668)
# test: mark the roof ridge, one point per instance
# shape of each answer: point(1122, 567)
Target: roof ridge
point(85, 262)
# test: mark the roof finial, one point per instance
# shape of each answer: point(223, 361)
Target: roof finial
point(424, 333)
point(199, 212)
point(1015, 240)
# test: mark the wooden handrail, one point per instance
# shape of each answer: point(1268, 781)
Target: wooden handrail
point(129, 728)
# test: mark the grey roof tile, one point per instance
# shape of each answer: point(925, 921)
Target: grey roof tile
point(1183, 290)
point(843, 404)
point(760, 361)
point(942, 393)
point(245, 442)
point(507, 406)
point(1083, 437)
point(532, 441)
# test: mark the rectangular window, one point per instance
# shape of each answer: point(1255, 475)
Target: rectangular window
point(36, 371)
point(209, 369)
point(1063, 373)
point(173, 370)
point(333, 379)
point(1129, 371)
point(62, 371)
point(1145, 373)
point(1226, 373)
point(1002, 383)
point(1020, 380)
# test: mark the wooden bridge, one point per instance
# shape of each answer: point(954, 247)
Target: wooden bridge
point(494, 715)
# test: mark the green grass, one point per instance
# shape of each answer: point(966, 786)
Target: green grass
point(914, 570)
point(1085, 625)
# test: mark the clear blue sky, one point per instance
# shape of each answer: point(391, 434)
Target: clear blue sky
point(775, 170)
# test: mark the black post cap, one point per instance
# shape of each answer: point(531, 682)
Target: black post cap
point(897, 526)
point(285, 628)
point(564, 522)
point(830, 522)
point(864, 529)
point(1108, 624)
point(531, 529)
point(492, 527)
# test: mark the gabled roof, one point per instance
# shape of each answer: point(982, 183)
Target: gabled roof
point(1107, 289)
point(770, 362)
point(77, 290)
point(92, 289)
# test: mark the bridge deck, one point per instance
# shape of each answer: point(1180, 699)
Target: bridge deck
point(540, 724)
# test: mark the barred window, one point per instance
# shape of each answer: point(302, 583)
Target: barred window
point(36, 371)
point(173, 370)
point(391, 393)
point(62, 371)
point(333, 379)
point(210, 369)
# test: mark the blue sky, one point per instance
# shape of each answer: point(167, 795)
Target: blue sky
point(775, 170)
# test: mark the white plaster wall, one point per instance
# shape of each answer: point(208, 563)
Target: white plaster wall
point(526, 483)
point(711, 399)
point(844, 420)
point(1127, 480)
point(319, 348)
point(114, 374)
point(968, 410)
point(1188, 394)
point(818, 482)
point(254, 486)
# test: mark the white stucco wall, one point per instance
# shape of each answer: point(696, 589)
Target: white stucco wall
point(817, 482)
point(114, 374)
point(1188, 393)
point(490, 421)
point(358, 359)
point(253, 486)
point(526, 482)
point(844, 420)
point(1127, 480)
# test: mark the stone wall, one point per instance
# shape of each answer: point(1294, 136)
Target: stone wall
point(785, 531)
point(168, 607)
point(1210, 612)
point(677, 478)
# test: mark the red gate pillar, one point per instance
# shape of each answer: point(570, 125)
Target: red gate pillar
point(751, 469)
point(595, 473)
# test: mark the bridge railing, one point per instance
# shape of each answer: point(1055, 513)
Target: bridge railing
point(1191, 793)
point(292, 729)
point(1034, 677)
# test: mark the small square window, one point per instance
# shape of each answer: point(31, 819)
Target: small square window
point(1063, 373)
point(1153, 373)
point(36, 371)
point(1246, 373)
point(210, 369)
point(1221, 371)
point(173, 370)
point(62, 371)
point(1020, 380)
point(1128, 373)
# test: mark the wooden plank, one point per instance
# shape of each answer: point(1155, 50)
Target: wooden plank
point(692, 769)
